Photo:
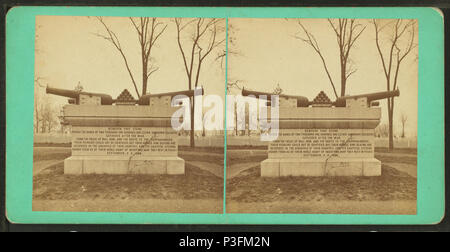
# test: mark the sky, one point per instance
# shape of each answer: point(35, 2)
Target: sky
point(68, 51)
point(267, 54)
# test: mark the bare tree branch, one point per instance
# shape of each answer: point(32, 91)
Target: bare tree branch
point(179, 29)
point(234, 84)
point(147, 38)
point(313, 43)
point(200, 30)
point(198, 53)
point(396, 54)
point(347, 32)
point(113, 39)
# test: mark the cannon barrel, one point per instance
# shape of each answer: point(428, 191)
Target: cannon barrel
point(63, 92)
point(341, 101)
point(145, 99)
point(301, 100)
point(105, 99)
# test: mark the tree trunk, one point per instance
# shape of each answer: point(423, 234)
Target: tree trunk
point(343, 80)
point(391, 135)
point(43, 126)
point(144, 75)
point(391, 123)
point(144, 88)
point(37, 119)
point(192, 123)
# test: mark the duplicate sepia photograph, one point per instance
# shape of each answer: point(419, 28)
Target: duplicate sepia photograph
point(132, 114)
point(341, 98)
point(114, 108)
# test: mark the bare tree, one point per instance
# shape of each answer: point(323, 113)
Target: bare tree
point(347, 32)
point(204, 35)
point(234, 86)
point(148, 31)
point(403, 119)
point(47, 118)
point(37, 80)
point(45, 112)
point(232, 49)
point(397, 50)
point(37, 119)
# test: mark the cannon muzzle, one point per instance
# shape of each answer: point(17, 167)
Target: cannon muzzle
point(341, 101)
point(301, 100)
point(104, 98)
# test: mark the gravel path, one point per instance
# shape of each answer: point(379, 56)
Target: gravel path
point(215, 169)
point(408, 168)
point(39, 166)
point(234, 169)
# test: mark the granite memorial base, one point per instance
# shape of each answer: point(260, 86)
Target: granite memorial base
point(124, 140)
point(123, 165)
point(320, 167)
point(322, 152)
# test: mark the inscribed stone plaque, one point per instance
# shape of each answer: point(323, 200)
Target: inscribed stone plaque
point(123, 141)
point(318, 143)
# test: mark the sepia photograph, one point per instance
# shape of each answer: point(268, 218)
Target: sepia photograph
point(132, 114)
point(326, 116)
point(114, 122)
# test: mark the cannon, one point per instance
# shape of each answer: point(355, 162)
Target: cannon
point(320, 137)
point(79, 97)
point(362, 100)
point(301, 100)
point(367, 98)
point(145, 99)
point(125, 98)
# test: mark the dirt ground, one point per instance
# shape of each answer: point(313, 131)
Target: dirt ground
point(400, 207)
point(132, 205)
point(198, 190)
point(394, 192)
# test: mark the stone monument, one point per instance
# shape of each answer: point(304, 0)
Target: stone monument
point(324, 138)
point(123, 135)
